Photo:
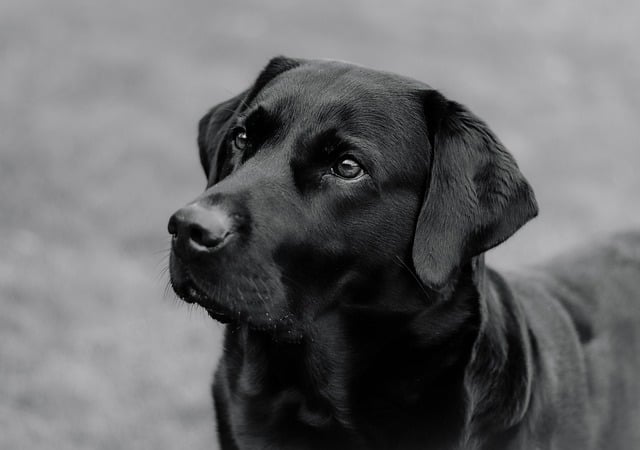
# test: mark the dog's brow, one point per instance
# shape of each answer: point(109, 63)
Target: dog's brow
point(332, 140)
point(327, 140)
point(260, 123)
point(254, 116)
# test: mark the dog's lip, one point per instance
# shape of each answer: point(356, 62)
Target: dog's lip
point(187, 288)
point(191, 293)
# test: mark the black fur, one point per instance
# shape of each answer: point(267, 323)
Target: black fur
point(360, 313)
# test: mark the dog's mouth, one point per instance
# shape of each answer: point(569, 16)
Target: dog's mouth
point(187, 289)
point(251, 305)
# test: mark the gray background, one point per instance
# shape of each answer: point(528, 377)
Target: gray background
point(98, 109)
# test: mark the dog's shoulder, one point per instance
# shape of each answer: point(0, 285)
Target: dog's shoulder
point(583, 312)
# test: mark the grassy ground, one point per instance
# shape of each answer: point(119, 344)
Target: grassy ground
point(98, 107)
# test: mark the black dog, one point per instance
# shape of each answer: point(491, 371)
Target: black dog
point(341, 237)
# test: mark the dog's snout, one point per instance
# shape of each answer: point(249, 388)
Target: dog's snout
point(196, 228)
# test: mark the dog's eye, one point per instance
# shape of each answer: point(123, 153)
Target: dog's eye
point(239, 138)
point(347, 168)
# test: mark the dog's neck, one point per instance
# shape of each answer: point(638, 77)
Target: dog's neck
point(420, 373)
point(500, 373)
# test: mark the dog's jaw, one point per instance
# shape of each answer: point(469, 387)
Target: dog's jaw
point(186, 288)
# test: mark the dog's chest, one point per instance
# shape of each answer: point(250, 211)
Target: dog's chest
point(275, 400)
point(281, 399)
point(291, 418)
point(285, 419)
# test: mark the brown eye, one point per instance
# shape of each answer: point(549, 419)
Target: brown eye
point(347, 168)
point(240, 140)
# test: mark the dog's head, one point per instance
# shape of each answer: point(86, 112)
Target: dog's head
point(330, 184)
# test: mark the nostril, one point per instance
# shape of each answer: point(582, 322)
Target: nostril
point(207, 237)
point(196, 228)
point(172, 227)
point(196, 234)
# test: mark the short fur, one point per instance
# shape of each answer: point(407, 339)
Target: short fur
point(360, 312)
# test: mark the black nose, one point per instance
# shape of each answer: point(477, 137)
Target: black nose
point(199, 229)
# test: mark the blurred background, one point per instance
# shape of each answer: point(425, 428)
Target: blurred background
point(99, 103)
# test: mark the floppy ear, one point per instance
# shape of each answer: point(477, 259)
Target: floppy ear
point(214, 126)
point(211, 132)
point(476, 196)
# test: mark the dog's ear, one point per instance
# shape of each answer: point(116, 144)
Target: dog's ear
point(214, 126)
point(212, 129)
point(476, 196)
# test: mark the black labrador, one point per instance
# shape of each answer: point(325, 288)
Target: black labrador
point(341, 238)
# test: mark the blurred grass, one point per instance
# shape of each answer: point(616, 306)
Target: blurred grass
point(98, 107)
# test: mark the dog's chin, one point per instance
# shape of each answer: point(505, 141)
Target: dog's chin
point(227, 309)
point(188, 289)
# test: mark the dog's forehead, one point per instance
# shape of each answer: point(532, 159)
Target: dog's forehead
point(319, 87)
point(377, 112)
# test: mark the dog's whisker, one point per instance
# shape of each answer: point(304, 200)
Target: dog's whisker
point(163, 272)
point(257, 290)
point(168, 290)
point(162, 250)
point(292, 281)
point(240, 296)
point(163, 259)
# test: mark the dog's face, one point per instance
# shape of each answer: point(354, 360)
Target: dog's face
point(327, 182)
